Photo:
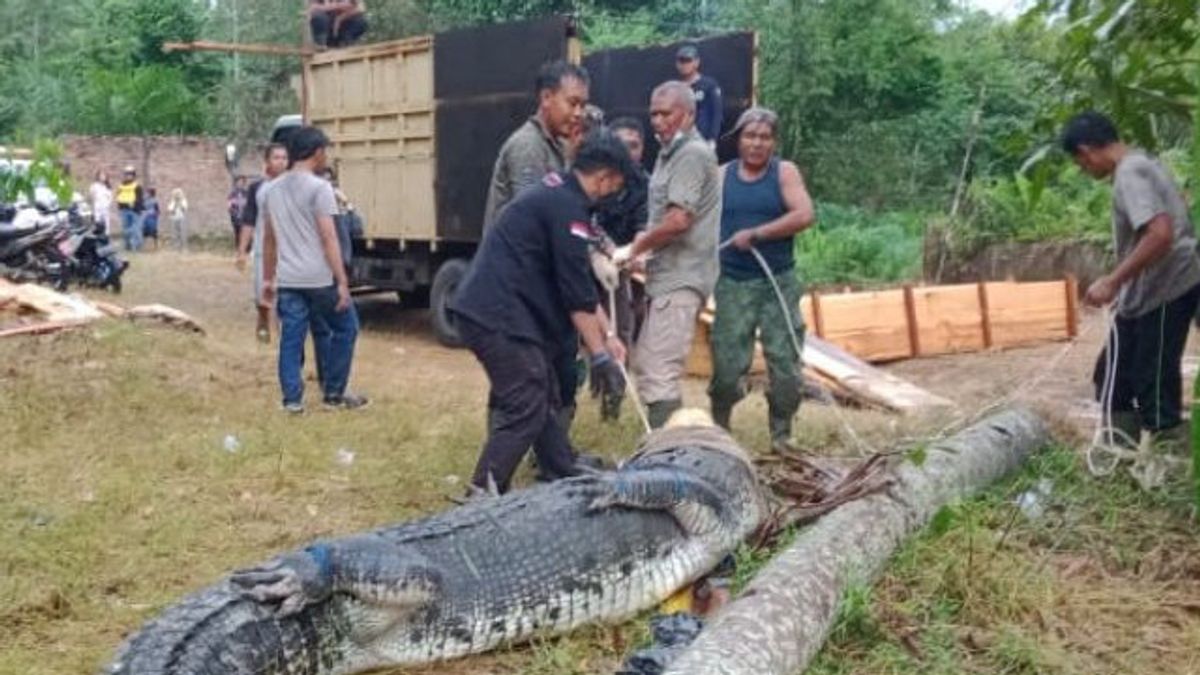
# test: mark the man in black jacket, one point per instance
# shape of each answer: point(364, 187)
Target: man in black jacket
point(529, 286)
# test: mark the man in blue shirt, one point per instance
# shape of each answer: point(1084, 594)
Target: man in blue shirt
point(709, 111)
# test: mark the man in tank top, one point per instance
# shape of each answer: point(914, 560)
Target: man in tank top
point(764, 206)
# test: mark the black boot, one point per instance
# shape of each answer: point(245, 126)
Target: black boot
point(722, 414)
point(659, 412)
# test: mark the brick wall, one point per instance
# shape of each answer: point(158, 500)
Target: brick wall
point(194, 163)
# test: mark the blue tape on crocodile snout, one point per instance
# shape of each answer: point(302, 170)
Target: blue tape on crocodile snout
point(321, 555)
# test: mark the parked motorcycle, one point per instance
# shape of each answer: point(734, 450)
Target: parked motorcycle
point(91, 258)
point(28, 247)
point(56, 247)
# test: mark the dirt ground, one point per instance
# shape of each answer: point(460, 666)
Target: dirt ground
point(139, 463)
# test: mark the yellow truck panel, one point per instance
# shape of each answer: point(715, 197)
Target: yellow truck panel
point(376, 103)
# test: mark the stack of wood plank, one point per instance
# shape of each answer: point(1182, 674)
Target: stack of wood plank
point(27, 309)
point(848, 330)
point(918, 321)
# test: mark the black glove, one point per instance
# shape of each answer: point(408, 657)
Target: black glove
point(606, 377)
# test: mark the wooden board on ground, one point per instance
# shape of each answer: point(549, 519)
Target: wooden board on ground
point(866, 382)
point(52, 305)
point(846, 376)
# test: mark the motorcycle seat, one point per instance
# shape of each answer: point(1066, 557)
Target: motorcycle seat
point(9, 232)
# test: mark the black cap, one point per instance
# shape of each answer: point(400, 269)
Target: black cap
point(687, 53)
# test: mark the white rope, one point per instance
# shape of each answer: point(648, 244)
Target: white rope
point(630, 385)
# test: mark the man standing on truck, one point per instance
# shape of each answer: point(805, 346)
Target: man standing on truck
point(530, 286)
point(681, 242)
point(709, 110)
point(304, 276)
point(250, 238)
point(764, 207)
point(337, 23)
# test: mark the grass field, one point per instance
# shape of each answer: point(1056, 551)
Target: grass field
point(118, 495)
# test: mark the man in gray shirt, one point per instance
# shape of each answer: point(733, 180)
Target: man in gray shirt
point(1156, 284)
point(684, 223)
point(536, 148)
point(304, 276)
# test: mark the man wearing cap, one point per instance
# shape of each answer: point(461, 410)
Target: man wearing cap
point(708, 93)
point(764, 206)
point(680, 244)
point(130, 204)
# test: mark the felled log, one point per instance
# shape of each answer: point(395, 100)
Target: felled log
point(785, 614)
point(167, 315)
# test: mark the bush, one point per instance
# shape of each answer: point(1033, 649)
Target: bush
point(1065, 205)
point(849, 245)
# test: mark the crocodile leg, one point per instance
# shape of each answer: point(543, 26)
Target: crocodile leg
point(692, 502)
point(367, 567)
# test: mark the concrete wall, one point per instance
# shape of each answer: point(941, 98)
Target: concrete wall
point(1040, 261)
point(194, 163)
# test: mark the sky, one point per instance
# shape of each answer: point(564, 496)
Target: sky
point(1007, 8)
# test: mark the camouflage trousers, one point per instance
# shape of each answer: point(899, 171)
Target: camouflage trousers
point(746, 309)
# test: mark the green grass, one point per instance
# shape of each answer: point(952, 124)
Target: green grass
point(986, 590)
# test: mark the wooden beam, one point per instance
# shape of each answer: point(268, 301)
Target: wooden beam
point(1072, 289)
point(985, 316)
point(234, 48)
point(910, 315)
point(818, 319)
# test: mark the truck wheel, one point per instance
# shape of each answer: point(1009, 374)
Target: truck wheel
point(414, 299)
point(445, 283)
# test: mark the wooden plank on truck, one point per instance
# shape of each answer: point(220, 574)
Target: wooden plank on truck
point(376, 103)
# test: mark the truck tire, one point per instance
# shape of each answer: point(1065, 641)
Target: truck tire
point(415, 299)
point(445, 283)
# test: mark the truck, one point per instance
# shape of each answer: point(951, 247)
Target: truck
point(416, 124)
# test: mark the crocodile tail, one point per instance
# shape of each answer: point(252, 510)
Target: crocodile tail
point(218, 631)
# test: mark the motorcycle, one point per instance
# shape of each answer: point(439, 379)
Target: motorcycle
point(91, 258)
point(28, 247)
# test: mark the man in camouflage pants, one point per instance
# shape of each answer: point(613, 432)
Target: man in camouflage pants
point(764, 206)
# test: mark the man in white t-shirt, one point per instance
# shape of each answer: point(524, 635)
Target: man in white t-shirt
point(303, 276)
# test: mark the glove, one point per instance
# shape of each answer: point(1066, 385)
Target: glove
point(605, 270)
point(623, 255)
point(607, 379)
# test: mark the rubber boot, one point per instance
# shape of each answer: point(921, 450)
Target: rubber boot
point(781, 434)
point(722, 414)
point(659, 412)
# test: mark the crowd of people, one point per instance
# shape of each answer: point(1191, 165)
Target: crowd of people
point(138, 210)
point(572, 217)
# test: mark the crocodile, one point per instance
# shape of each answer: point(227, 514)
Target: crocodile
point(496, 570)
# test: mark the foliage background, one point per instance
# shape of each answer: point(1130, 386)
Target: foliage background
point(904, 114)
